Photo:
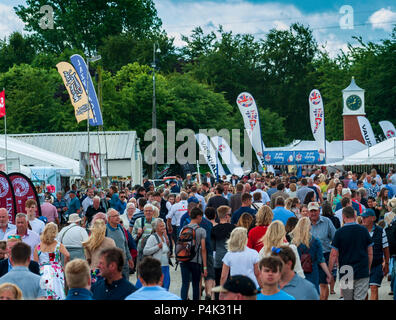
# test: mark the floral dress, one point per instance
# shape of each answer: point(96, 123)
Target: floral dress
point(51, 272)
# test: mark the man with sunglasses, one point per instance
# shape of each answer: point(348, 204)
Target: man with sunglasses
point(6, 264)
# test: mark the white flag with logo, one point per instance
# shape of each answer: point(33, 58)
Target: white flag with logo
point(209, 153)
point(367, 131)
point(316, 115)
point(228, 156)
point(247, 107)
point(388, 128)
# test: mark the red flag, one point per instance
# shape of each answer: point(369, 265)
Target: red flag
point(2, 104)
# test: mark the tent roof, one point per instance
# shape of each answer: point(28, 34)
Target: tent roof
point(120, 144)
point(30, 155)
point(381, 153)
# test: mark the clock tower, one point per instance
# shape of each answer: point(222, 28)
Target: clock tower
point(353, 98)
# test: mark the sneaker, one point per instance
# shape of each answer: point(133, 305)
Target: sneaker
point(208, 298)
point(390, 293)
point(341, 298)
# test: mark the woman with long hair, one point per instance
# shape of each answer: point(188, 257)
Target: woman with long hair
point(48, 255)
point(96, 242)
point(275, 237)
point(328, 212)
point(309, 197)
point(337, 195)
point(264, 218)
point(382, 202)
point(240, 259)
point(245, 221)
point(310, 252)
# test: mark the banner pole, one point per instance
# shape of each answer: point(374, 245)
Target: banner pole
point(89, 106)
point(5, 137)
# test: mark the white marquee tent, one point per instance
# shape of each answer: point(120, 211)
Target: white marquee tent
point(30, 155)
point(335, 150)
point(381, 153)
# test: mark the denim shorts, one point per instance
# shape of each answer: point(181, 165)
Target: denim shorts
point(376, 276)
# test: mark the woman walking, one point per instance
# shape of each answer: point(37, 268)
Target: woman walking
point(48, 255)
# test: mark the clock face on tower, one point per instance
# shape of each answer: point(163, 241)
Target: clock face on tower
point(353, 102)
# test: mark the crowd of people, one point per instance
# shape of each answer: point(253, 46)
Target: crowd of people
point(256, 237)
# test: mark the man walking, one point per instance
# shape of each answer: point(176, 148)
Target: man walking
point(353, 247)
point(380, 264)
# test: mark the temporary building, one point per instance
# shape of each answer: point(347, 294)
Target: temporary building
point(379, 154)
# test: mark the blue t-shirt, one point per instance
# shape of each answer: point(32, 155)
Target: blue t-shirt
point(237, 214)
point(74, 206)
point(152, 293)
point(281, 295)
point(352, 241)
point(282, 214)
point(117, 290)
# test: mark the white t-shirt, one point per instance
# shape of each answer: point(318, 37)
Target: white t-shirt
point(37, 225)
point(177, 211)
point(242, 262)
point(72, 236)
point(86, 203)
point(338, 214)
point(264, 196)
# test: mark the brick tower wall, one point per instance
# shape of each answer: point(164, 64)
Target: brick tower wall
point(352, 129)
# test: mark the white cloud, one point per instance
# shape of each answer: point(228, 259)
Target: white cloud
point(9, 21)
point(383, 19)
point(243, 17)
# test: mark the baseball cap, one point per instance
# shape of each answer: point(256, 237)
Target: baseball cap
point(368, 213)
point(345, 191)
point(238, 284)
point(313, 206)
point(192, 199)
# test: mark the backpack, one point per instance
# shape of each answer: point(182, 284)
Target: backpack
point(186, 246)
point(306, 262)
point(391, 235)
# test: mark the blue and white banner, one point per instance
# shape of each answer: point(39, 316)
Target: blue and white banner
point(228, 156)
point(293, 157)
point(81, 68)
point(247, 107)
point(367, 131)
point(388, 128)
point(210, 155)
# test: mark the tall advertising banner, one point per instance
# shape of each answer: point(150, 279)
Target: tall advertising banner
point(81, 67)
point(23, 191)
point(388, 128)
point(317, 118)
point(2, 104)
point(7, 198)
point(247, 107)
point(228, 156)
point(74, 87)
point(367, 131)
point(209, 153)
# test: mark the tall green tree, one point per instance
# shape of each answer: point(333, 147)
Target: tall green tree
point(17, 49)
point(83, 24)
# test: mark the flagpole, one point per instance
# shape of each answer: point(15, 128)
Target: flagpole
point(5, 136)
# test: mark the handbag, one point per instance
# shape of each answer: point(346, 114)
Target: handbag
point(306, 262)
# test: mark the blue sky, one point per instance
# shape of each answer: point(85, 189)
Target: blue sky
point(371, 19)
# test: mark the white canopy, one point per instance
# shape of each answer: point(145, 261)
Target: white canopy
point(381, 153)
point(30, 155)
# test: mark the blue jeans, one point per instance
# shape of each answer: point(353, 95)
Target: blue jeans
point(393, 278)
point(193, 270)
